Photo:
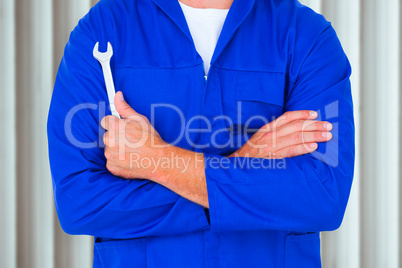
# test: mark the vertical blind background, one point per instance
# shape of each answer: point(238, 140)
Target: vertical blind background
point(32, 38)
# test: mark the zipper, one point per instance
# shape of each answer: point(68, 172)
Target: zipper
point(204, 74)
point(203, 100)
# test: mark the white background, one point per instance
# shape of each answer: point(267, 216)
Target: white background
point(32, 38)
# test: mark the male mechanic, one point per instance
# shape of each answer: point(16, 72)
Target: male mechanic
point(235, 145)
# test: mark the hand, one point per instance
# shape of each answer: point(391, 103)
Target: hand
point(132, 145)
point(294, 133)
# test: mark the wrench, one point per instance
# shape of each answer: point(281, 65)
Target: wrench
point(104, 60)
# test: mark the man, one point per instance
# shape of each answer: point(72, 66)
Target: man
point(227, 164)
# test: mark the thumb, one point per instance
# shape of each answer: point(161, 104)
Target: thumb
point(122, 106)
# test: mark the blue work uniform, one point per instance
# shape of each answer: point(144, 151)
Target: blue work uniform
point(272, 56)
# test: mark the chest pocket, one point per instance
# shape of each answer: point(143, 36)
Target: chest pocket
point(257, 100)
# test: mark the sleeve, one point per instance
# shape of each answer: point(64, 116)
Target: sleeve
point(307, 193)
point(89, 200)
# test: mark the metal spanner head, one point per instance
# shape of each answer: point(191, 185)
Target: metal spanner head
point(104, 60)
point(103, 56)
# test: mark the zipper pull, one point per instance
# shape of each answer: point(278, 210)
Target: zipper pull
point(203, 68)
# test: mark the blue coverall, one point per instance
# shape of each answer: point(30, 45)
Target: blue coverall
point(272, 56)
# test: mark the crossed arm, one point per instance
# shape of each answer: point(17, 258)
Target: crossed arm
point(293, 134)
point(309, 195)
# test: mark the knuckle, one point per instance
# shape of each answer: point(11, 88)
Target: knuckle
point(108, 119)
point(144, 118)
point(319, 125)
point(266, 149)
point(287, 115)
point(318, 136)
point(292, 152)
point(111, 168)
point(271, 128)
point(267, 136)
point(269, 146)
point(297, 137)
point(264, 152)
point(108, 166)
point(126, 108)
point(106, 138)
point(299, 124)
point(264, 128)
point(108, 154)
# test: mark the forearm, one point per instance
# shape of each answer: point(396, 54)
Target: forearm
point(185, 175)
point(183, 171)
point(258, 190)
point(186, 172)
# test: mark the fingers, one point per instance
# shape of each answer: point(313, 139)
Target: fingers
point(106, 138)
point(297, 150)
point(109, 122)
point(302, 138)
point(294, 133)
point(112, 126)
point(122, 107)
point(304, 126)
point(291, 116)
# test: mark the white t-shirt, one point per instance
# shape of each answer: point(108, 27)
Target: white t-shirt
point(205, 26)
